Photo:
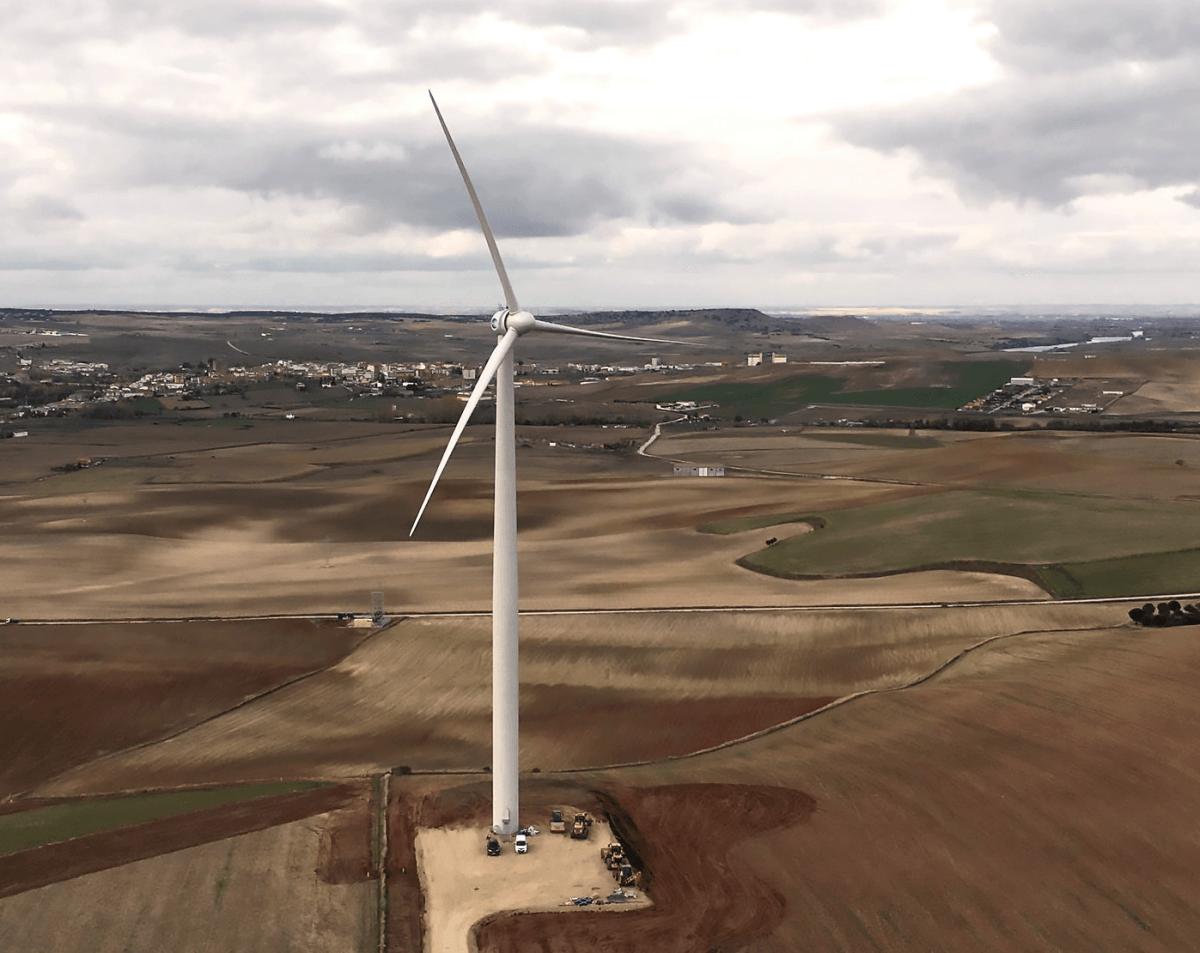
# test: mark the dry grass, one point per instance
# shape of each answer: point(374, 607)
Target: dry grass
point(462, 885)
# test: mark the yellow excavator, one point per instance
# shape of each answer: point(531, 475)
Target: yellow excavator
point(581, 827)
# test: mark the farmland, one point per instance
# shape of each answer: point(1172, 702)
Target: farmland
point(887, 730)
point(1025, 531)
point(868, 826)
point(52, 823)
point(74, 693)
point(262, 891)
point(657, 685)
point(778, 395)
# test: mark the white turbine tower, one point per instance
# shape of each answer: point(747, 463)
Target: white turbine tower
point(509, 324)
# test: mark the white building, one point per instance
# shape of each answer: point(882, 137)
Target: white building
point(1021, 381)
point(753, 360)
point(777, 358)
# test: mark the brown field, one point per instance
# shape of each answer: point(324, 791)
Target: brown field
point(269, 890)
point(1027, 794)
point(596, 690)
point(1162, 397)
point(1028, 798)
point(286, 528)
point(1122, 465)
point(73, 693)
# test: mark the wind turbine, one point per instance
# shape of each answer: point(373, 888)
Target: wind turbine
point(509, 324)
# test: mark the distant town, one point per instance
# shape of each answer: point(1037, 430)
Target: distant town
point(57, 387)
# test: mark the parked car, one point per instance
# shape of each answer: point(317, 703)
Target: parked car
point(522, 844)
point(493, 847)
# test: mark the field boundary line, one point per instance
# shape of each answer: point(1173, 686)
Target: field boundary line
point(633, 610)
point(381, 903)
point(171, 736)
point(847, 699)
point(939, 669)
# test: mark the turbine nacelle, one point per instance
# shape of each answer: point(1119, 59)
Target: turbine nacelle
point(520, 321)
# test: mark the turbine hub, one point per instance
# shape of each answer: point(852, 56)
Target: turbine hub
point(505, 320)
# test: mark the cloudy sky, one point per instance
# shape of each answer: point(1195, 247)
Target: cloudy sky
point(772, 153)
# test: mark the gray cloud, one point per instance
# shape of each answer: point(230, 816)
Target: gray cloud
point(535, 180)
point(1067, 34)
point(1094, 98)
point(222, 17)
point(595, 23)
point(323, 262)
point(1191, 198)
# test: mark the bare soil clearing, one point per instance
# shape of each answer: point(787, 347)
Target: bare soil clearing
point(462, 885)
point(707, 905)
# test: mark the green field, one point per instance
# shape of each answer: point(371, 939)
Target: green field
point(1167, 573)
point(739, 524)
point(1070, 545)
point(23, 830)
point(965, 380)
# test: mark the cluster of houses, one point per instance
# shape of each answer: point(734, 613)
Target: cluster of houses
point(1054, 395)
point(96, 382)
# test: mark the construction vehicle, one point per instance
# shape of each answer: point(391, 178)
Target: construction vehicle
point(557, 824)
point(581, 827)
point(613, 856)
point(626, 876)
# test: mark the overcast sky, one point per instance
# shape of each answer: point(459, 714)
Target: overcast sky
point(231, 153)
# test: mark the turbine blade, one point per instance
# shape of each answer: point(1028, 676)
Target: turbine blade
point(540, 325)
point(503, 346)
point(510, 299)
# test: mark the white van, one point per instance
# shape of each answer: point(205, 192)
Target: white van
point(522, 844)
